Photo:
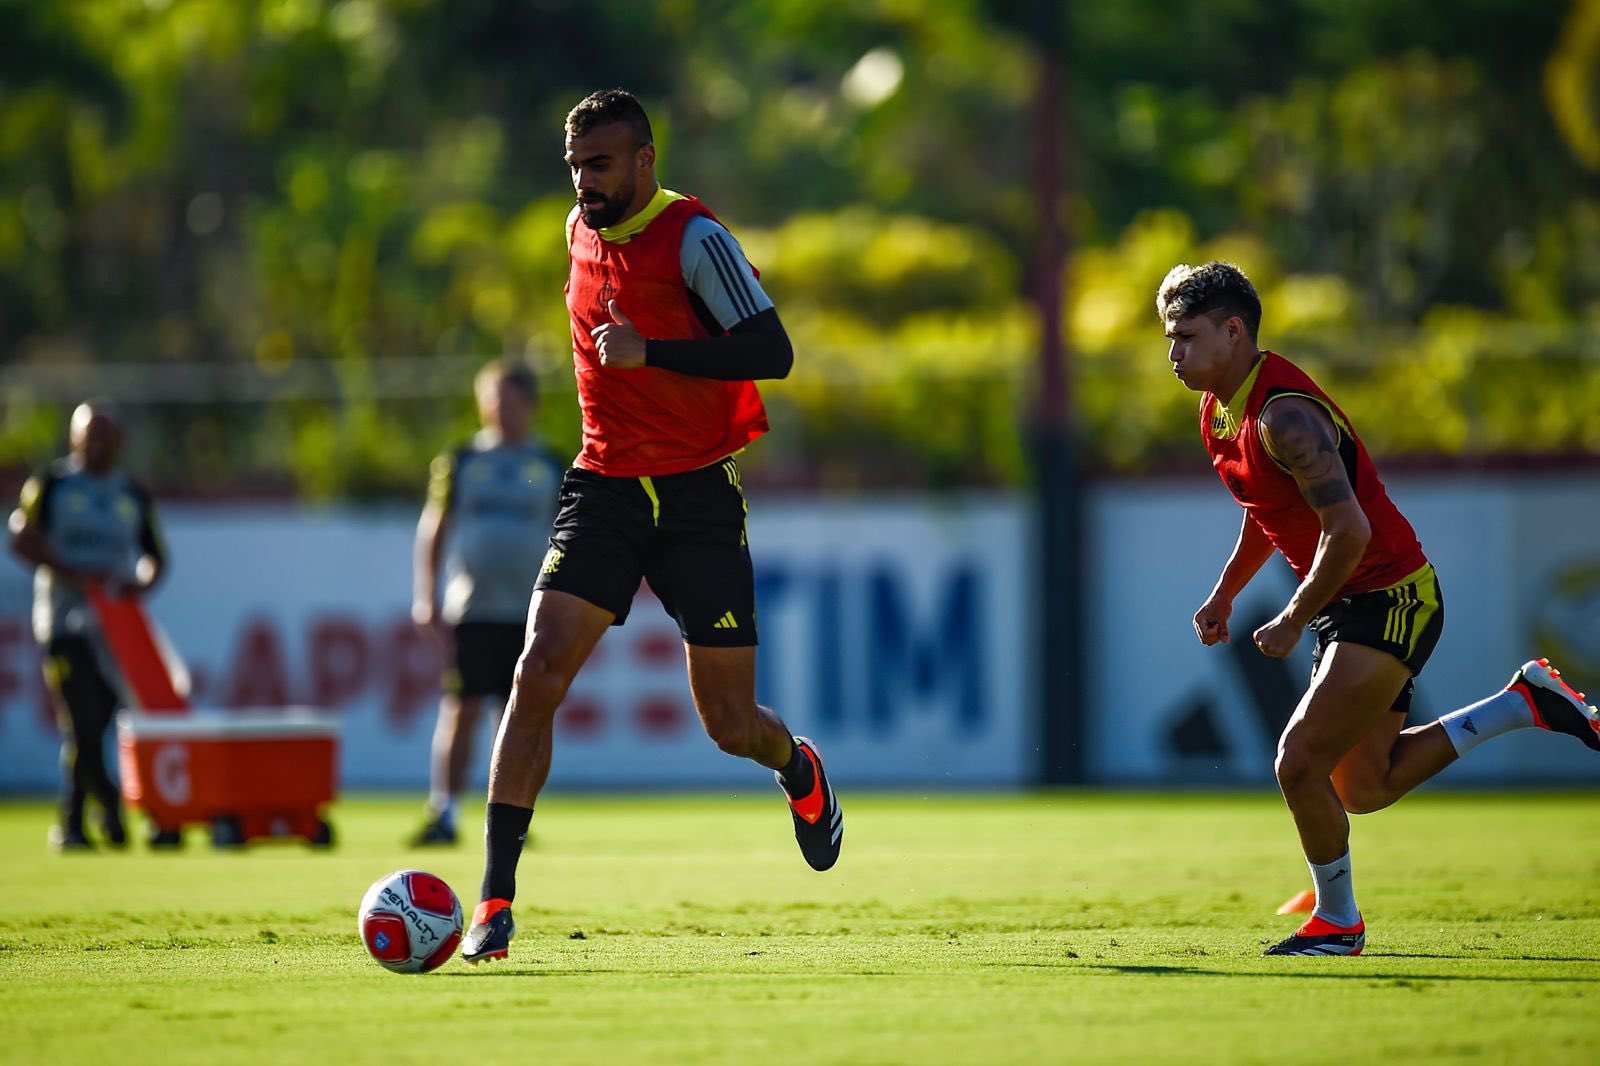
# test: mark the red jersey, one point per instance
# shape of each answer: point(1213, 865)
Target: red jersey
point(648, 421)
point(1268, 492)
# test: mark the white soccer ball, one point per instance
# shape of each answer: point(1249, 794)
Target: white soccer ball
point(410, 921)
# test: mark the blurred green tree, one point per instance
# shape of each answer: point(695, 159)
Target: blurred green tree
point(286, 230)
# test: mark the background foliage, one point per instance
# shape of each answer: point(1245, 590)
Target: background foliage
point(285, 231)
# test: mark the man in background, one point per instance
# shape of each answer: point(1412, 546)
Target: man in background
point(493, 500)
point(82, 522)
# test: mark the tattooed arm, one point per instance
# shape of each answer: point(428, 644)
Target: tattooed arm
point(1300, 435)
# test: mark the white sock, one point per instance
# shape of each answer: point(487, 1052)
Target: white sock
point(443, 807)
point(1500, 713)
point(1336, 896)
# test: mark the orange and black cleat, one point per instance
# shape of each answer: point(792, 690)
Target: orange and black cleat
point(491, 932)
point(1319, 937)
point(818, 819)
point(1556, 705)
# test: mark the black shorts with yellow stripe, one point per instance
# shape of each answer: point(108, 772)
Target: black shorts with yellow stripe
point(684, 534)
point(1404, 620)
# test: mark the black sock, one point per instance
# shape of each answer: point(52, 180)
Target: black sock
point(797, 775)
point(504, 830)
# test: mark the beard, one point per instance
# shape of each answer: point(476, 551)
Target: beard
point(601, 211)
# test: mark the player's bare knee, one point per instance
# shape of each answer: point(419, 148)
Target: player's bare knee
point(537, 685)
point(732, 739)
point(1294, 769)
point(732, 734)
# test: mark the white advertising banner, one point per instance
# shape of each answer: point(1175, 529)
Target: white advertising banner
point(899, 633)
point(890, 632)
point(1519, 565)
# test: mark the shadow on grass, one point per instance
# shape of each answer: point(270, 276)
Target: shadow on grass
point(1481, 958)
point(557, 970)
point(504, 972)
point(1068, 967)
point(1196, 971)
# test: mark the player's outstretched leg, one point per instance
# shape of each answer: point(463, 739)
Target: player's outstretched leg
point(1556, 705)
point(818, 818)
point(723, 681)
point(562, 631)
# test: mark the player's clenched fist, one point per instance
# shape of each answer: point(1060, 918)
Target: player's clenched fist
point(621, 345)
point(1278, 637)
point(1211, 622)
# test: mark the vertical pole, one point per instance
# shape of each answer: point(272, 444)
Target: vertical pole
point(1060, 611)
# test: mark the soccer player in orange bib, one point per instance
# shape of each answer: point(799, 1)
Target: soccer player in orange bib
point(1367, 592)
point(670, 331)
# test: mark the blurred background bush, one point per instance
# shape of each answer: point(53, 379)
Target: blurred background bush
point(284, 232)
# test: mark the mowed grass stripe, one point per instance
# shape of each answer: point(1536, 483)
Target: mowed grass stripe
point(1065, 927)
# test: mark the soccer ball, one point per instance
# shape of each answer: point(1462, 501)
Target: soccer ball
point(410, 921)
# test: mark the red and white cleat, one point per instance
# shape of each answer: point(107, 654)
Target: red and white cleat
point(1557, 706)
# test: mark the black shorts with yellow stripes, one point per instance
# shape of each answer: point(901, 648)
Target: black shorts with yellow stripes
point(682, 533)
point(1404, 620)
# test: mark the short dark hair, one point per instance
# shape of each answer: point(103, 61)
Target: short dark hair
point(606, 106)
point(1209, 289)
point(511, 371)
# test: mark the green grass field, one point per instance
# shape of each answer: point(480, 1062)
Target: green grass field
point(1064, 927)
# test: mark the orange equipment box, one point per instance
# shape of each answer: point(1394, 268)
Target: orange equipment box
point(247, 774)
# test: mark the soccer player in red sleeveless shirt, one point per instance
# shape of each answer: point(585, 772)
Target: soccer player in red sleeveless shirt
point(1309, 490)
point(670, 331)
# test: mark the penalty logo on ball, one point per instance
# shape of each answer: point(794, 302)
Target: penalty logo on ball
point(410, 921)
